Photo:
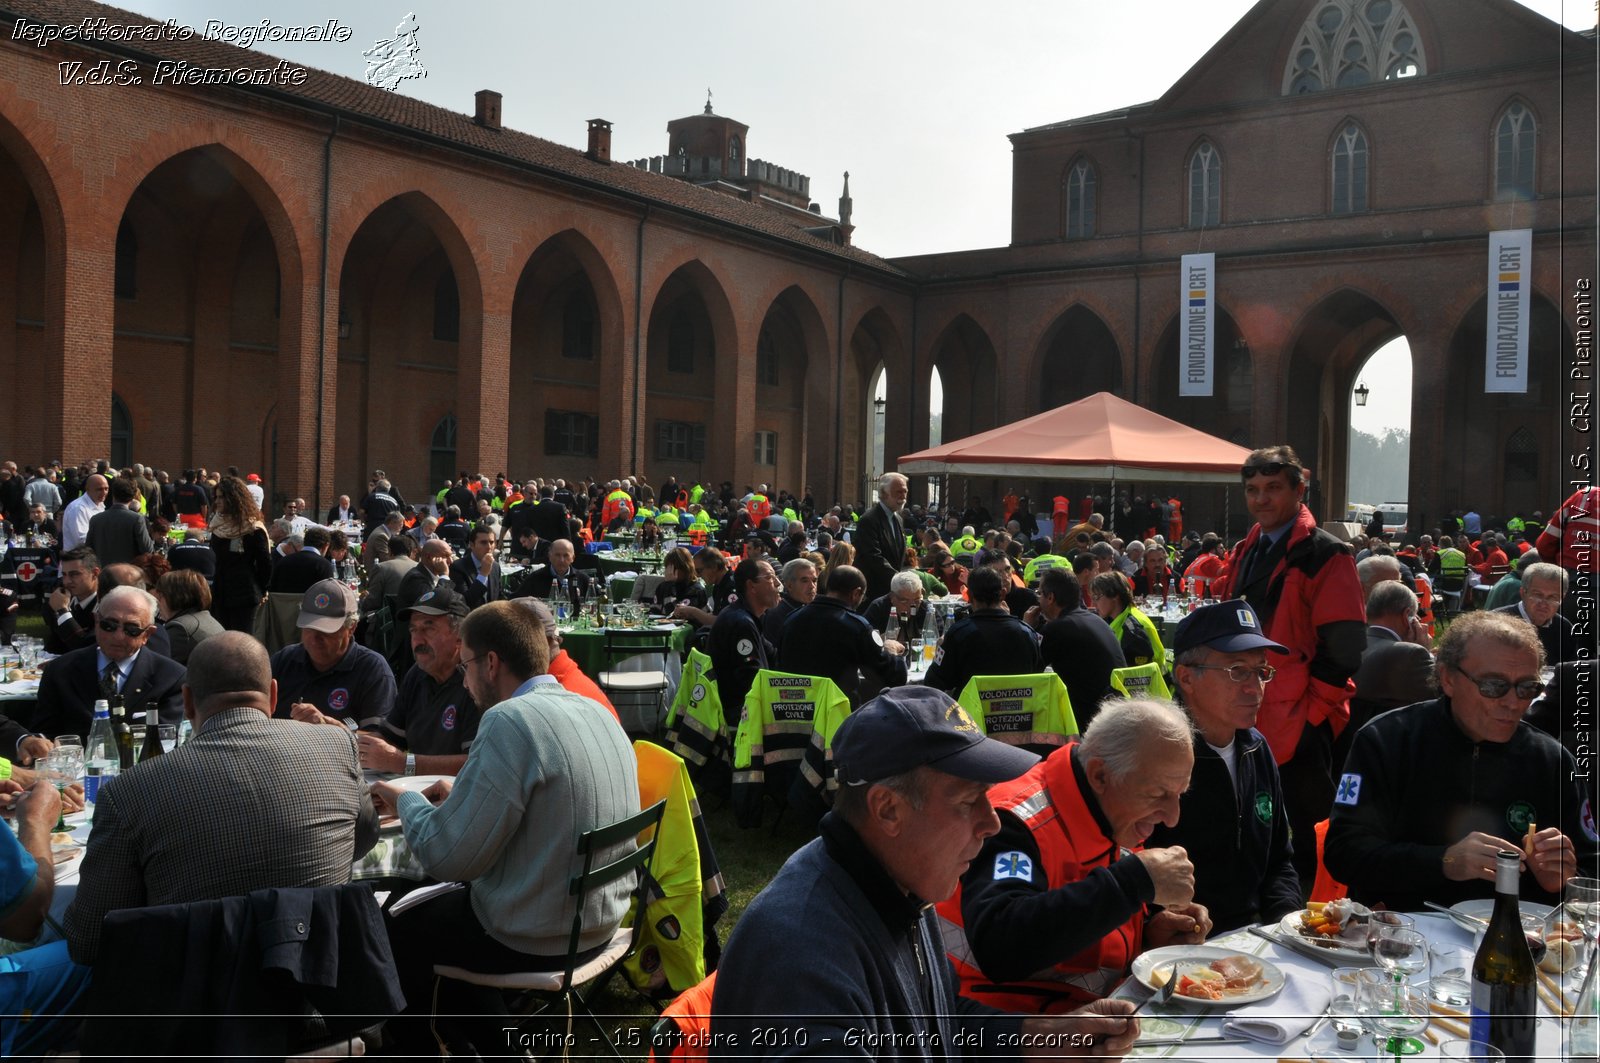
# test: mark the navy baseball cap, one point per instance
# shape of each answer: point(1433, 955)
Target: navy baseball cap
point(1226, 627)
point(911, 726)
point(441, 601)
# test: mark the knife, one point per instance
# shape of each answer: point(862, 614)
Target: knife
point(1320, 953)
point(1158, 1042)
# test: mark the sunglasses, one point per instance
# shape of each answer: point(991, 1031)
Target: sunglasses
point(129, 628)
point(1495, 687)
point(1270, 468)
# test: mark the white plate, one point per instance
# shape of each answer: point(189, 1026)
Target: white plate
point(1483, 908)
point(1344, 948)
point(418, 783)
point(1201, 956)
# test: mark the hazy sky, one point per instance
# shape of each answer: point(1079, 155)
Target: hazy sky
point(914, 98)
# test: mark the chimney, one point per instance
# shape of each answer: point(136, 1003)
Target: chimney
point(487, 113)
point(599, 140)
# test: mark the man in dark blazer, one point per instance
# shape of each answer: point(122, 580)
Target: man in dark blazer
point(1543, 587)
point(477, 576)
point(879, 538)
point(159, 829)
point(295, 573)
point(69, 610)
point(119, 663)
point(120, 533)
point(559, 571)
point(1396, 667)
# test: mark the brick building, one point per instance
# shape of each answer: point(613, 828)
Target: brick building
point(315, 279)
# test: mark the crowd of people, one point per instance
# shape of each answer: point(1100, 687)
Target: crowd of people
point(1309, 672)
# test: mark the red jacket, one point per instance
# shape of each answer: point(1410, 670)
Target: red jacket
point(1071, 845)
point(571, 677)
point(1314, 607)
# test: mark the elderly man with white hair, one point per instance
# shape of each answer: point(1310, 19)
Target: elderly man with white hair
point(1057, 904)
point(119, 664)
point(880, 538)
point(1543, 587)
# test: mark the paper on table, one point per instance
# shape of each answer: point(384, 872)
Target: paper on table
point(1286, 1016)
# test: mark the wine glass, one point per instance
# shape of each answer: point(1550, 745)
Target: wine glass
point(61, 767)
point(1395, 1012)
point(1400, 951)
point(1580, 906)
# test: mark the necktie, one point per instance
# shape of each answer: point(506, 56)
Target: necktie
point(108, 680)
point(1258, 559)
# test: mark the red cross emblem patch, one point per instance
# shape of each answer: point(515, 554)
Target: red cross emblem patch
point(27, 571)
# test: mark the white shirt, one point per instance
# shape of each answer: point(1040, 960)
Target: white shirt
point(75, 521)
point(1230, 757)
point(256, 493)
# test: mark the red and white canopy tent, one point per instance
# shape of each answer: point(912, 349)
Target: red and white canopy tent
point(1101, 437)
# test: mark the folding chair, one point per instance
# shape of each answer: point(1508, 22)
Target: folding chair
point(641, 688)
point(543, 990)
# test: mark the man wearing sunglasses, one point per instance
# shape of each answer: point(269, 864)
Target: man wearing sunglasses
point(1431, 792)
point(1305, 591)
point(118, 664)
point(1231, 821)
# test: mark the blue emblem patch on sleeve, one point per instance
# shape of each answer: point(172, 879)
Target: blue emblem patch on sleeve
point(1013, 865)
point(1349, 791)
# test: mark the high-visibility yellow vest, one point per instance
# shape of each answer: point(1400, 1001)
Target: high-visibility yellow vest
point(1159, 652)
point(1140, 681)
point(773, 734)
point(966, 545)
point(696, 493)
point(696, 728)
point(668, 517)
point(1021, 710)
point(684, 891)
point(1038, 566)
point(1452, 562)
point(816, 767)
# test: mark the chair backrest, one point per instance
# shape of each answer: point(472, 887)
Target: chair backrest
point(1140, 681)
point(645, 584)
point(275, 621)
point(1021, 710)
point(592, 845)
point(1495, 573)
point(622, 643)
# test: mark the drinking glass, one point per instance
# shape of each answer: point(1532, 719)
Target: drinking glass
point(168, 733)
point(1451, 984)
point(1343, 1014)
point(1400, 951)
point(1395, 1012)
point(1377, 920)
point(57, 767)
point(1467, 1051)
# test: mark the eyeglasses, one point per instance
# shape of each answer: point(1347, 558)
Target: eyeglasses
point(1240, 673)
point(1269, 468)
point(1493, 686)
point(465, 661)
point(1544, 599)
point(129, 628)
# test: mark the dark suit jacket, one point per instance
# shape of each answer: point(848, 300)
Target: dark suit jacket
point(118, 534)
point(880, 612)
point(249, 803)
point(1556, 635)
point(71, 684)
point(550, 520)
point(464, 574)
point(1392, 673)
point(72, 634)
point(299, 571)
point(538, 584)
point(880, 548)
point(417, 581)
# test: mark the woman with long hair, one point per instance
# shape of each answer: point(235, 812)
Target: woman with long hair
point(239, 542)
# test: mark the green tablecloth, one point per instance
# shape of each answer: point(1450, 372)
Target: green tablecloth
point(588, 647)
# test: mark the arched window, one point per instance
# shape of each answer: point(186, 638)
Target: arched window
point(578, 326)
point(446, 308)
point(125, 276)
point(680, 343)
point(1350, 171)
point(733, 152)
point(1514, 141)
point(1205, 187)
point(1522, 456)
point(442, 451)
point(1080, 201)
point(767, 370)
point(1349, 43)
point(121, 433)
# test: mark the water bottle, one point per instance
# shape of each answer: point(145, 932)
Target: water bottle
point(185, 731)
point(101, 758)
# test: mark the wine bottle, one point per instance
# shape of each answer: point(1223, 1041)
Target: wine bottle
point(1502, 972)
point(123, 733)
point(152, 736)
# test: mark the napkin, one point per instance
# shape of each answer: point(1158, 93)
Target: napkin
point(1282, 1018)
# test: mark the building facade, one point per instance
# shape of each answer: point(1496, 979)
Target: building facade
point(319, 279)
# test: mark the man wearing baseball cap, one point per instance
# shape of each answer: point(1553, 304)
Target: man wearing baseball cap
point(863, 968)
point(1232, 820)
point(434, 719)
point(328, 677)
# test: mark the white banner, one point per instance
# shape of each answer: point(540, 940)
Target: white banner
point(1510, 277)
point(1197, 295)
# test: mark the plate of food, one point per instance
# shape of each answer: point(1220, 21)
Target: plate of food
point(1556, 944)
point(1338, 926)
point(64, 847)
point(1209, 976)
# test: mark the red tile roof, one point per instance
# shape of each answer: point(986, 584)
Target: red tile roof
point(356, 100)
